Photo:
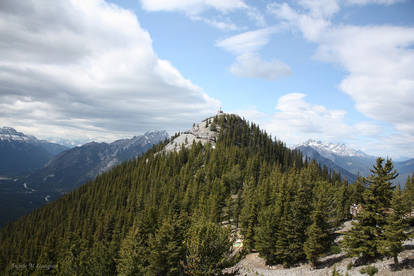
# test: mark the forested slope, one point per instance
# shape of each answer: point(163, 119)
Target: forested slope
point(158, 214)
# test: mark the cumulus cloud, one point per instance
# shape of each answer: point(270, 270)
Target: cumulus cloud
point(252, 66)
point(88, 68)
point(296, 119)
point(377, 59)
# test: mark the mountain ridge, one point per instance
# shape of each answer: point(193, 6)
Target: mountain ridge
point(22, 154)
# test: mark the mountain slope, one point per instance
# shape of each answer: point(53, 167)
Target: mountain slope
point(69, 170)
point(353, 161)
point(21, 154)
point(311, 153)
point(75, 166)
point(405, 169)
point(153, 213)
point(350, 162)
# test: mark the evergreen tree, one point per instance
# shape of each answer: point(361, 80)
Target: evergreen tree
point(394, 231)
point(208, 248)
point(266, 234)
point(166, 248)
point(363, 240)
point(317, 235)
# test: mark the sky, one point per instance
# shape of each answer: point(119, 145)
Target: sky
point(339, 71)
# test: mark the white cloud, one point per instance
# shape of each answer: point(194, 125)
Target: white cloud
point(87, 68)
point(252, 66)
point(247, 42)
point(192, 6)
point(320, 8)
point(248, 62)
point(378, 61)
point(296, 120)
point(380, 2)
point(224, 25)
point(311, 26)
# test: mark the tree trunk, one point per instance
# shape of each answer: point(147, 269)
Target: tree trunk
point(396, 260)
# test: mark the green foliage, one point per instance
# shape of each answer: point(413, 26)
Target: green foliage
point(166, 247)
point(364, 239)
point(370, 270)
point(318, 236)
point(394, 231)
point(266, 230)
point(208, 248)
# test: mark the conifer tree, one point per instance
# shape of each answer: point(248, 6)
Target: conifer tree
point(266, 234)
point(166, 248)
point(394, 231)
point(132, 254)
point(208, 248)
point(317, 235)
point(363, 240)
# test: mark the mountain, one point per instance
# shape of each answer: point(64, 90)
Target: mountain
point(349, 162)
point(68, 170)
point(22, 154)
point(312, 153)
point(405, 169)
point(71, 168)
point(162, 213)
point(354, 161)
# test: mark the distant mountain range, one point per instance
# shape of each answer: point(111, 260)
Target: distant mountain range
point(71, 168)
point(22, 154)
point(65, 171)
point(348, 161)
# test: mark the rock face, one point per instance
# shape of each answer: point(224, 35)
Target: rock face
point(204, 132)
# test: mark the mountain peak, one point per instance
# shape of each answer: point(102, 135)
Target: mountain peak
point(327, 149)
point(10, 134)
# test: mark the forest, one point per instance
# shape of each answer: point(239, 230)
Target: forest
point(180, 212)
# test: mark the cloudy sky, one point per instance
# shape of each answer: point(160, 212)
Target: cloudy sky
point(332, 70)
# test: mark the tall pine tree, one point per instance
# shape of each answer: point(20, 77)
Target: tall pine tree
point(364, 239)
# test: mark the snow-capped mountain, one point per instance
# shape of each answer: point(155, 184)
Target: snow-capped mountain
point(10, 134)
point(21, 153)
point(312, 154)
point(351, 160)
point(328, 150)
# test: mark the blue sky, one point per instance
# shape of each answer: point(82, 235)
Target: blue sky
point(332, 70)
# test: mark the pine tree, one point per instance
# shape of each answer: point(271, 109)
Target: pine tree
point(166, 248)
point(363, 240)
point(317, 235)
point(266, 234)
point(208, 248)
point(394, 234)
point(132, 254)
